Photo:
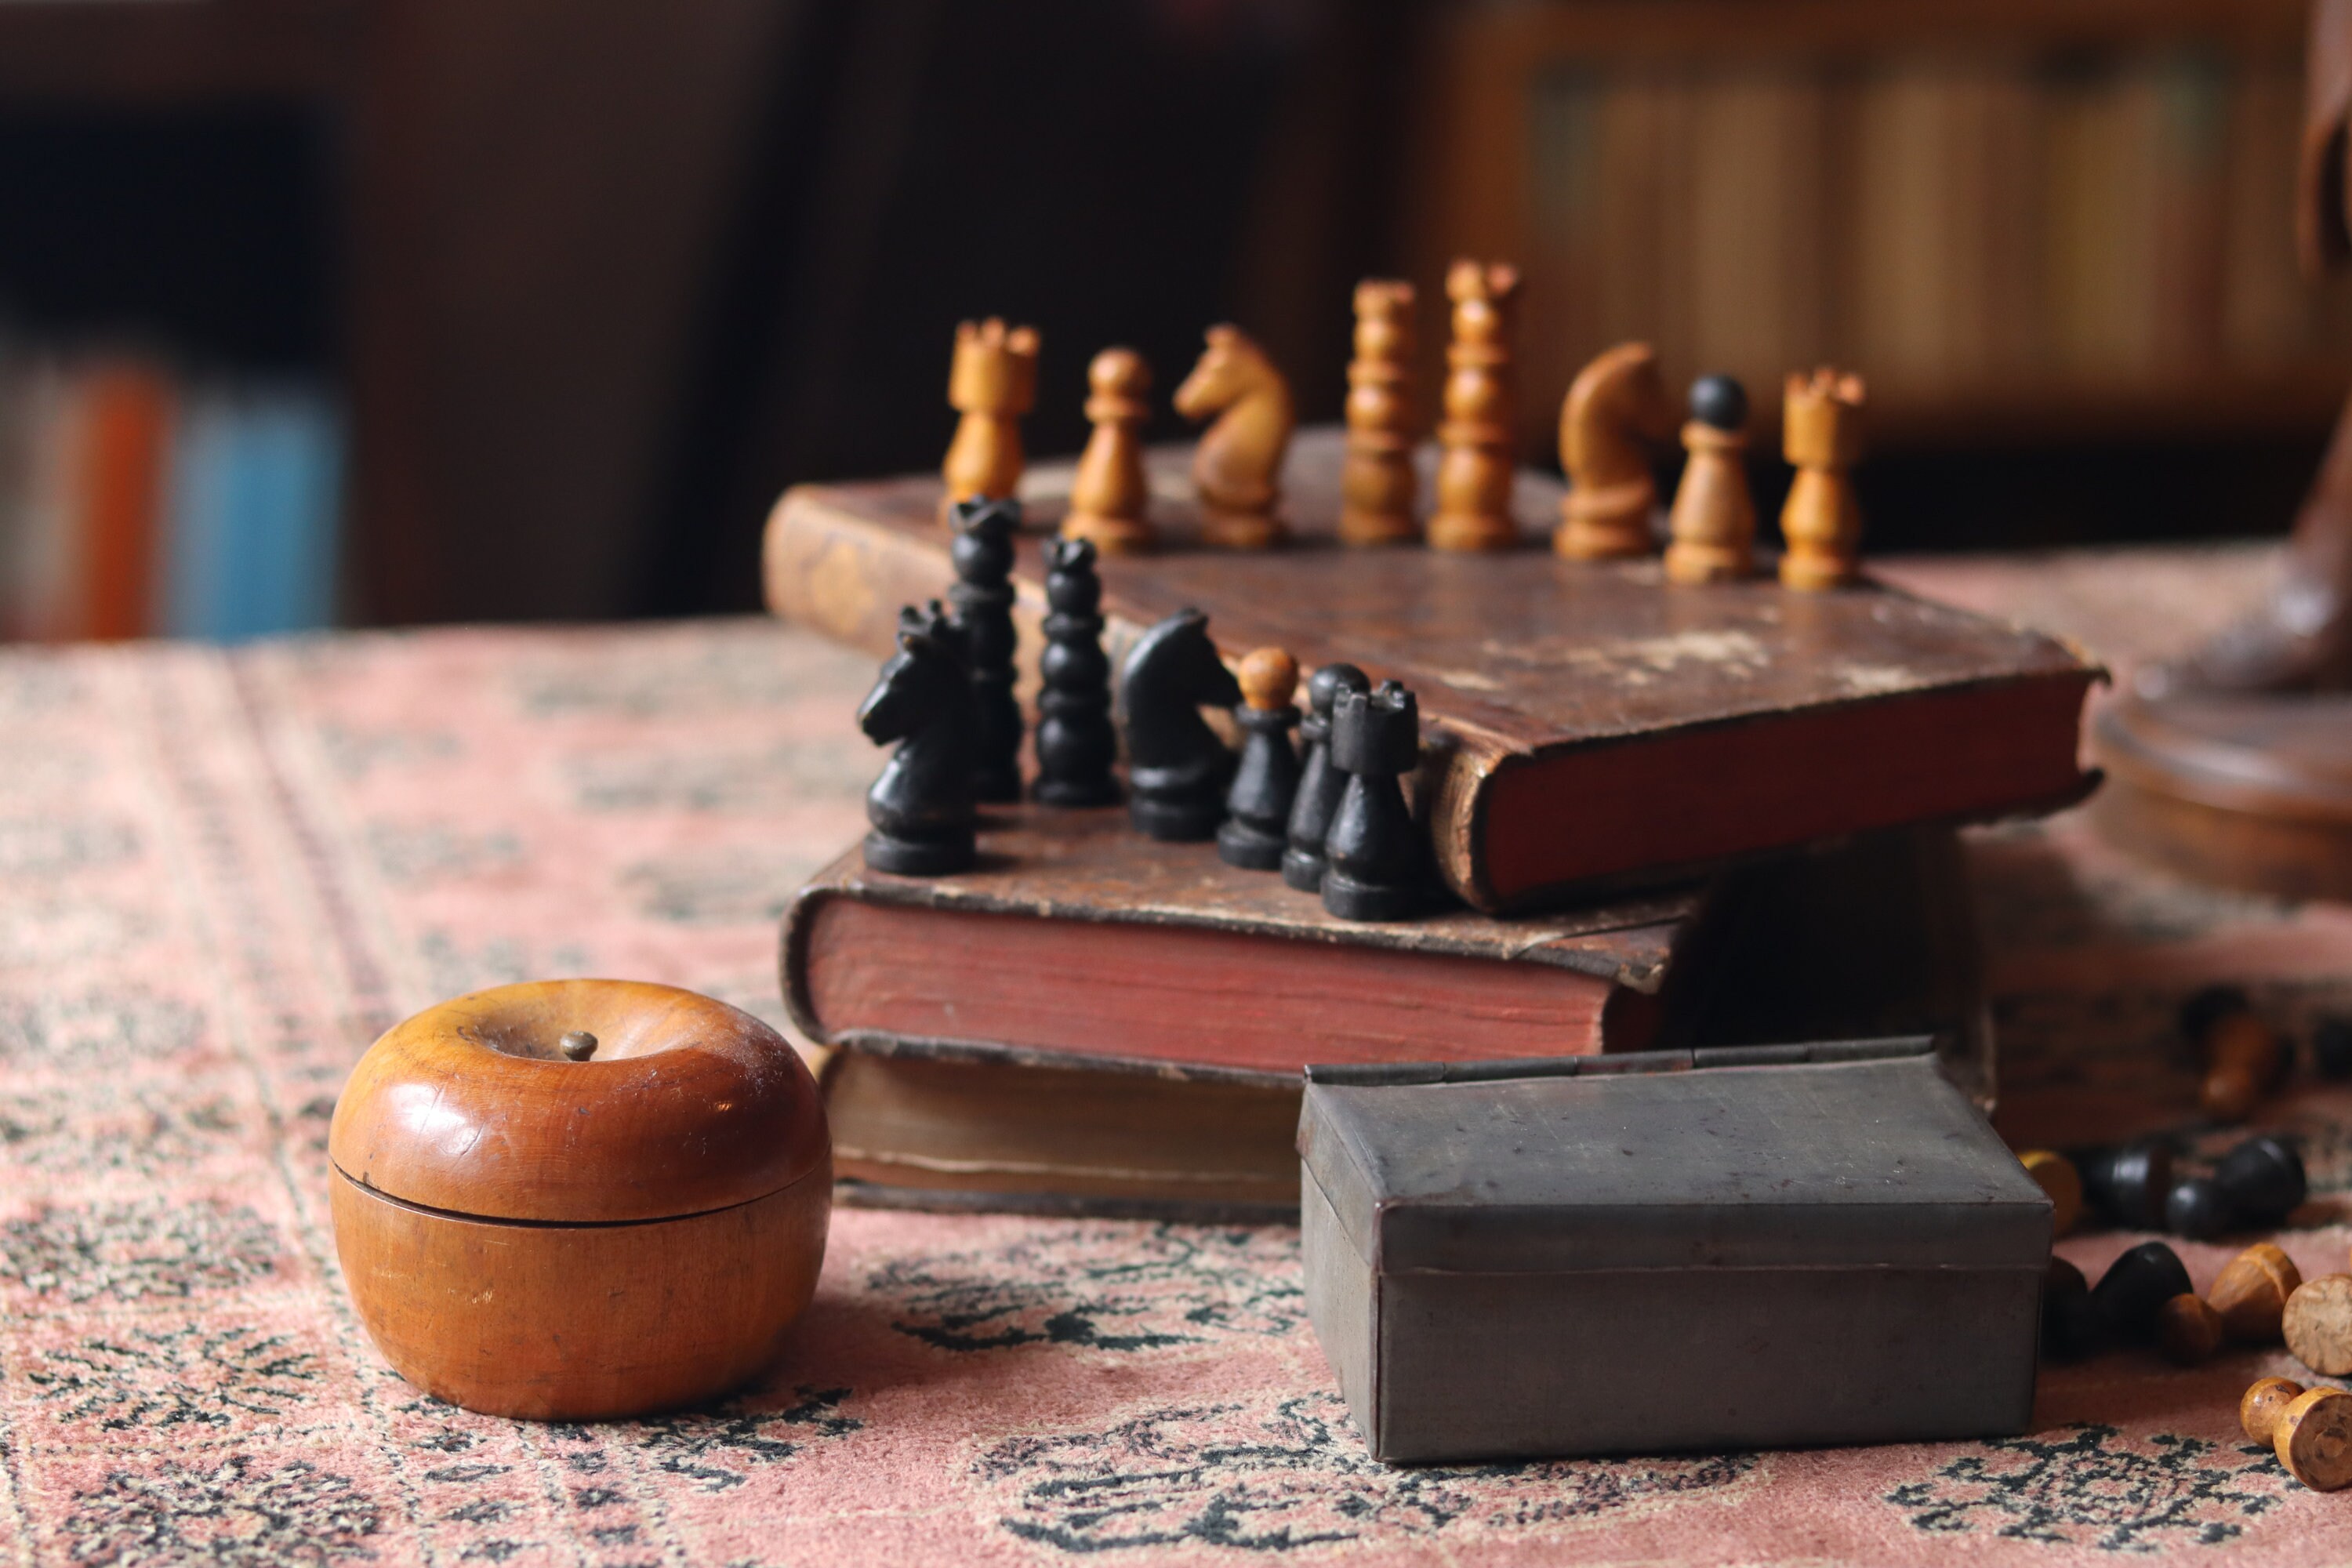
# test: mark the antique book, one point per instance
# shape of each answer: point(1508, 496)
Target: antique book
point(1586, 727)
point(1089, 1020)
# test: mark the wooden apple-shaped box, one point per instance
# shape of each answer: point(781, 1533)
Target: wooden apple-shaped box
point(580, 1198)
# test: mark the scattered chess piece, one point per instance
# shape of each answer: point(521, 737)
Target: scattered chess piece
point(1376, 483)
point(983, 597)
point(922, 805)
point(2071, 1327)
point(2331, 1047)
point(1257, 807)
point(1076, 743)
point(1820, 435)
point(2309, 1429)
point(2127, 1187)
point(2317, 1325)
point(2056, 1175)
point(1476, 466)
point(2252, 1292)
point(1713, 517)
point(1237, 466)
point(1376, 853)
point(2135, 1286)
point(2244, 1057)
point(992, 382)
point(1320, 784)
point(2196, 1209)
point(2262, 1180)
point(1109, 496)
point(1615, 411)
point(1177, 768)
point(2188, 1330)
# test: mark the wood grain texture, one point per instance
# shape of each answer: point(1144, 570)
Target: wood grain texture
point(579, 1322)
point(2317, 1325)
point(1621, 705)
point(687, 1106)
point(2252, 1292)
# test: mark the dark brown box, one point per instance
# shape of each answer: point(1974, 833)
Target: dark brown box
point(1749, 1247)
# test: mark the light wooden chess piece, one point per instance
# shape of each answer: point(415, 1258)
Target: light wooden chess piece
point(1821, 433)
point(1615, 411)
point(1713, 517)
point(1475, 468)
point(992, 382)
point(1377, 484)
point(1237, 467)
point(2309, 1429)
point(1110, 494)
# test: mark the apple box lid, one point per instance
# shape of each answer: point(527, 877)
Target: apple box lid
point(687, 1105)
point(1856, 1153)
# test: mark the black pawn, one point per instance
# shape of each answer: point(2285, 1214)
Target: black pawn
point(1719, 401)
point(1257, 807)
point(2071, 1328)
point(1378, 859)
point(2127, 1187)
point(2262, 1180)
point(1076, 743)
point(983, 597)
point(2135, 1286)
point(2196, 1209)
point(1319, 783)
point(922, 807)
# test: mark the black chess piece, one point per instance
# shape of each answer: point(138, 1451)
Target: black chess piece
point(1177, 768)
point(2127, 1187)
point(1319, 783)
point(2071, 1328)
point(1257, 807)
point(1076, 743)
point(2135, 1286)
point(1379, 860)
point(983, 597)
point(2261, 1180)
point(923, 806)
point(2196, 1209)
point(2331, 1047)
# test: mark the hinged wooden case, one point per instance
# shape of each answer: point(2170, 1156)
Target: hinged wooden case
point(1759, 1247)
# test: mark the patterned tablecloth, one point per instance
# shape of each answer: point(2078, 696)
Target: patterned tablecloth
point(221, 874)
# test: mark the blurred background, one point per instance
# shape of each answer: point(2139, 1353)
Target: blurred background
point(356, 312)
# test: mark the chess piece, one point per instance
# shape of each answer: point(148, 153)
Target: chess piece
point(2317, 1325)
point(1820, 435)
point(1109, 495)
point(1177, 769)
point(992, 382)
point(983, 597)
point(1257, 807)
point(1714, 517)
point(2129, 1185)
point(2262, 1180)
point(2251, 1294)
point(922, 807)
point(1615, 411)
point(1376, 854)
point(1076, 743)
point(2243, 1057)
point(1376, 483)
point(1237, 467)
point(1320, 784)
point(2188, 1330)
point(2196, 1209)
point(2331, 1047)
point(2071, 1328)
point(2135, 1286)
point(2309, 1429)
point(2056, 1175)
point(1476, 465)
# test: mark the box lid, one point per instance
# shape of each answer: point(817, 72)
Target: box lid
point(1857, 1153)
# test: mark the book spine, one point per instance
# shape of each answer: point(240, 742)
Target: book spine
point(122, 484)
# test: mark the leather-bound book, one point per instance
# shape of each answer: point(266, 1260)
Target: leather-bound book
point(1587, 726)
point(1090, 1019)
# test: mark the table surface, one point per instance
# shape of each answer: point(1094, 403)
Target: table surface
point(222, 874)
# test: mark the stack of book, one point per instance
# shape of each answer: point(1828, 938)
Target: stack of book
point(1664, 819)
point(136, 500)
